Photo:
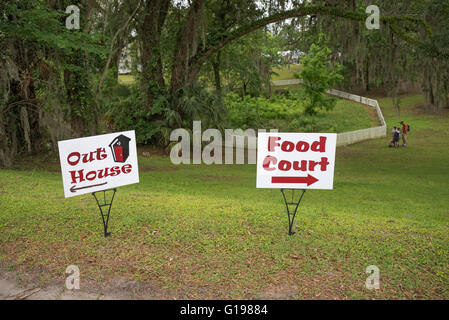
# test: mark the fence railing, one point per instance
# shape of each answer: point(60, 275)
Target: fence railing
point(351, 137)
point(344, 138)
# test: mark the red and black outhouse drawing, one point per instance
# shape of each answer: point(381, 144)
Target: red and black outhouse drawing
point(120, 148)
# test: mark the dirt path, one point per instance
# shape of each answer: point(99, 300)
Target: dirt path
point(27, 287)
point(10, 289)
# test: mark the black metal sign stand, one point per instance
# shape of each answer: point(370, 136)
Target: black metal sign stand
point(292, 213)
point(104, 203)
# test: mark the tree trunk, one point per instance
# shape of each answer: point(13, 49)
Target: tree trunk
point(186, 47)
point(116, 63)
point(216, 66)
point(7, 153)
point(367, 80)
point(152, 83)
point(79, 123)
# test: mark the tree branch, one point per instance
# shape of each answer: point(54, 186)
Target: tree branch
point(111, 50)
point(301, 11)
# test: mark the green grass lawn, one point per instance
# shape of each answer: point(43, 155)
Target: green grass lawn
point(198, 231)
point(284, 72)
point(126, 79)
point(337, 120)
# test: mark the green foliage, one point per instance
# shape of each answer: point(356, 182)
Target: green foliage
point(197, 103)
point(130, 113)
point(250, 112)
point(319, 75)
point(242, 66)
point(36, 23)
point(286, 112)
point(51, 85)
point(153, 125)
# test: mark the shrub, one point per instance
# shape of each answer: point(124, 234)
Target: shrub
point(244, 112)
point(319, 74)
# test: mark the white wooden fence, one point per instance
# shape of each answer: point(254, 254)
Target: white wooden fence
point(343, 139)
point(351, 137)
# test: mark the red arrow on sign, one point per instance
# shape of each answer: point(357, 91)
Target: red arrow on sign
point(74, 189)
point(309, 180)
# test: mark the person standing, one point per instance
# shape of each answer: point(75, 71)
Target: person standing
point(396, 133)
point(404, 133)
point(392, 137)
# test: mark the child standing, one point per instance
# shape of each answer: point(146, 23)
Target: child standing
point(396, 133)
point(392, 137)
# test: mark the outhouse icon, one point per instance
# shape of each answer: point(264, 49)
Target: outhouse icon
point(120, 148)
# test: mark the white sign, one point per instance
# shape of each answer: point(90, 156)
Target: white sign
point(98, 163)
point(296, 160)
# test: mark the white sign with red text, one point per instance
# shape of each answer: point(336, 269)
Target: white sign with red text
point(296, 160)
point(98, 163)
